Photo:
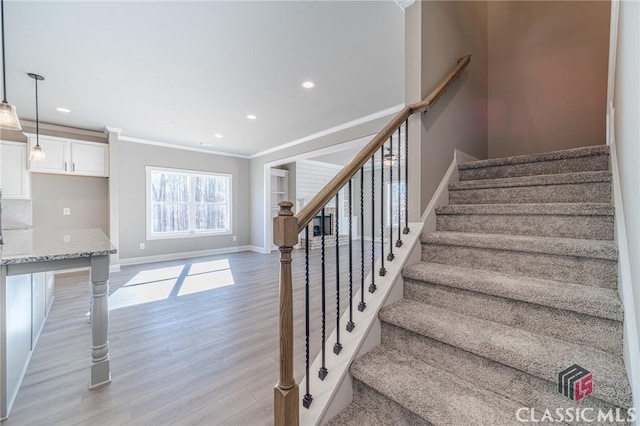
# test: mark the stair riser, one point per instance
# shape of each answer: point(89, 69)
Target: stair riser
point(566, 226)
point(385, 409)
point(564, 325)
point(528, 390)
point(568, 165)
point(578, 270)
point(591, 192)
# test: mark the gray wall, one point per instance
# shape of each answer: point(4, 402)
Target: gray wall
point(451, 30)
point(547, 75)
point(132, 159)
point(87, 197)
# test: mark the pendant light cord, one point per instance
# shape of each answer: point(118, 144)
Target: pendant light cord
point(4, 70)
point(37, 118)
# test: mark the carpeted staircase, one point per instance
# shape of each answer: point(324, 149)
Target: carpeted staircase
point(517, 284)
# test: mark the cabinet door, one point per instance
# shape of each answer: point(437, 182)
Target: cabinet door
point(38, 306)
point(15, 180)
point(50, 278)
point(89, 159)
point(18, 338)
point(56, 151)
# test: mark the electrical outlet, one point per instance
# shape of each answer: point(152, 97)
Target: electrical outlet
point(66, 211)
point(66, 238)
point(235, 238)
point(141, 246)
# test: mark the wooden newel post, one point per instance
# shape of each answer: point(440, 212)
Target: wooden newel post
point(285, 236)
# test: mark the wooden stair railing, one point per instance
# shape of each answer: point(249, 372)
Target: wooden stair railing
point(287, 226)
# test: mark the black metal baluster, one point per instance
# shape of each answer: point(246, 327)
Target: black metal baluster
point(362, 305)
point(383, 270)
point(337, 347)
point(306, 401)
point(350, 324)
point(406, 177)
point(399, 241)
point(391, 256)
point(323, 370)
point(372, 286)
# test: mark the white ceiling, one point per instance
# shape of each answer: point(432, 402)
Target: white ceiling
point(179, 72)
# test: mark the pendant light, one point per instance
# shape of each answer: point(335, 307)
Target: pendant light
point(37, 154)
point(8, 115)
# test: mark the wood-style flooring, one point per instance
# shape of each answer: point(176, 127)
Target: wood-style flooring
point(204, 350)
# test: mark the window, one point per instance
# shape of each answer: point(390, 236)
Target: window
point(183, 203)
point(397, 203)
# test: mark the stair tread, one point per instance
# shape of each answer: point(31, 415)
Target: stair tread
point(535, 354)
point(532, 158)
point(597, 249)
point(594, 301)
point(429, 392)
point(568, 209)
point(536, 180)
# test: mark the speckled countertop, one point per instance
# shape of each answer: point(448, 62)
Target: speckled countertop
point(34, 245)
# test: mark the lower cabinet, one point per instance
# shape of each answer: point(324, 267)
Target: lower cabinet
point(29, 299)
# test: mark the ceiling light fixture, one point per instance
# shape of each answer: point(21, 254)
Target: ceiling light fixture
point(308, 85)
point(37, 154)
point(218, 135)
point(251, 117)
point(389, 158)
point(8, 116)
point(63, 109)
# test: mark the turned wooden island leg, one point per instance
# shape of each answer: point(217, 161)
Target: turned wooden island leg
point(100, 366)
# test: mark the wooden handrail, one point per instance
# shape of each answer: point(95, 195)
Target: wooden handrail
point(287, 226)
point(309, 211)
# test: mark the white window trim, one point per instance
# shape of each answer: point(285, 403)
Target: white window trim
point(191, 233)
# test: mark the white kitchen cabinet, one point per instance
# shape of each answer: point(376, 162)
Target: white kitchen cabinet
point(89, 159)
point(15, 179)
point(57, 154)
point(71, 157)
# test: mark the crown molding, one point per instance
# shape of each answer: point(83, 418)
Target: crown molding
point(178, 146)
point(62, 129)
point(338, 128)
point(404, 4)
point(109, 129)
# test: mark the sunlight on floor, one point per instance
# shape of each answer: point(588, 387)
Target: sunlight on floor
point(163, 283)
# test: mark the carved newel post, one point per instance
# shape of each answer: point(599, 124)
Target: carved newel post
point(285, 236)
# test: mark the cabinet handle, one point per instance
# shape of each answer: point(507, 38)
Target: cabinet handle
point(65, 166)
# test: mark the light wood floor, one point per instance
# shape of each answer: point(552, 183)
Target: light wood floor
point(208, 358)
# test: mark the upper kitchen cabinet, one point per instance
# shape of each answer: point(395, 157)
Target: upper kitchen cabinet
point(15, 180)
point(71, 157)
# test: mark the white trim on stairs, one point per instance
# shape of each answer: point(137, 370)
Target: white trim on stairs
point(335, 393)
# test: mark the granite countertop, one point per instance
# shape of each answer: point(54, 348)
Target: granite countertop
point(36, 245)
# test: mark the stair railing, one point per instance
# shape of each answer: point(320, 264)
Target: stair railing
point(287, 227)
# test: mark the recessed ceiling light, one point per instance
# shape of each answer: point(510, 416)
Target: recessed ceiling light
point(218, 135)
point(251, 117)
point(63, 109)
point(308, 84)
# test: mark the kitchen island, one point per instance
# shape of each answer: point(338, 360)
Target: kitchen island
point(24, 258)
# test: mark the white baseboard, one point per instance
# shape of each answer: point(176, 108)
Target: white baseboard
point(625, 286)
point(185, 255)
